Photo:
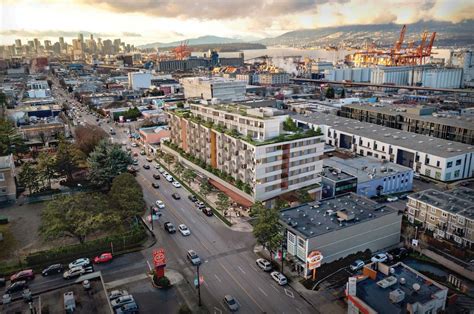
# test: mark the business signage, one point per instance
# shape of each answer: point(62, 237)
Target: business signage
point(314, 260)
point(159, 258)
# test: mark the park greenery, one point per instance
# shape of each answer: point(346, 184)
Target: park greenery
point(11, 141)
point(267, 229)
point(87, 138)
point(223, 202)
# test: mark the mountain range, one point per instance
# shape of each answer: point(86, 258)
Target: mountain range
point(448, 34)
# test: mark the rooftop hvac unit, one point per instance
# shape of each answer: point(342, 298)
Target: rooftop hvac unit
point(403, 281)
point(416, 287)
point(396, 296)
point(387, 282)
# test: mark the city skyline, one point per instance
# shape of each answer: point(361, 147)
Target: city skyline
point(147, 22)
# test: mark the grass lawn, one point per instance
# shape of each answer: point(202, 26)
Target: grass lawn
point(8, 243)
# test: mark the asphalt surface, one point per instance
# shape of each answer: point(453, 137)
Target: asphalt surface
point(228, 261)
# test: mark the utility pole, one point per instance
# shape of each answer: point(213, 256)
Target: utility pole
point(198, 285)
point(151, 217)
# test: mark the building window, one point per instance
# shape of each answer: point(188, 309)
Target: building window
point(437, 163)
point(428, 172)
point(458, 162)
point(432, 218)
point(461, 220)
point(2, 177)
point(448, 176)
point(456, 173)
point(449, 165)
point(438, 175)
point(433, 210)
point(301, 243)
point(445, 215)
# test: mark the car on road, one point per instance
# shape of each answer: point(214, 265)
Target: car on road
point(176, 184)
point(183, 229)
point(129, 308)
point(142, 152)
point(279, 278)
point(80, 262)
point(103, 258)
point(207, 211)
point(392, 199)
point(160, 204)
point(77, 271)
point(169, 178)
point(231, 303)
point(155, 185)
point(146, 167)
point(16, 287)
point(121, 301)
point(193, 257)
point(161, 169)
point(192, 198)
point(264, 264)
point(357, 264)
point(134, 144)
point(156, 176)
point(25, 275)
point(169, 227)
point(200, 204)
point(52, 269)
point(135, 161)
point(397, 253)
point(176, 196)
point(379, 258)
point(149, 159)
point(114, 294)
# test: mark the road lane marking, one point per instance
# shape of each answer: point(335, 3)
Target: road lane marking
point(274, 288)
point(261, 290)
point(254, 268)
point(218, 279)
point(241, 269)
point(298, 310)
point(217, 310)
point(289, 293)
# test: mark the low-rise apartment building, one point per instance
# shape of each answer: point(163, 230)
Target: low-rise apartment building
point(274, 79)
point(339, 227)
point(436, 158)
point(7, 179)
point(459, 129)
point(449, 214)
point(250, 145)
point(43, 133)
point(213, 88)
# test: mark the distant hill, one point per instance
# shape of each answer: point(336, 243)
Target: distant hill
point(203, 40)
point(448, 34)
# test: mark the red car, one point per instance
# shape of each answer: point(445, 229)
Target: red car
point(26, 274)
point(103, 258)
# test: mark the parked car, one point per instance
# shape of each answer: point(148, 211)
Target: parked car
point(160, 204)
point(142, 152)
point(264, 264)
point(193, 257)
point(192, 198)
point(26, 275)
point(134, 145)
point(52, 269)
point(121, 301)
point(231, 303)
point(169, 178)
point(176, 184)
point(156, 176)
point(169, 227)
point(80, 262)
point(379, 258)
point(146, 167)
point(184, 230)
point(74, 272)
point(103, 258)
point(161, 169)
point(129, 308)
point(16, 287)
point(398, 253)
point(155, 185)
point(207, 211)
point(279, 278)
point(357, 264)
point(149, 159)
point(176, 196)
point(114, 294)
point(392, 199)
point(200, 204)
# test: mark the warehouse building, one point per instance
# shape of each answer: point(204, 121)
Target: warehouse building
point(213, 88)
point(436, 158)
point(338, 227)
point(421, 121)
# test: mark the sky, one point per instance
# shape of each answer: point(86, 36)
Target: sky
point(147, 21)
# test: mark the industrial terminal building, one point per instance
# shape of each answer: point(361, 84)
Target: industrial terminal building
point(436, 158)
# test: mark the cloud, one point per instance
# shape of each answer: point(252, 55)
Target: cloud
point(384, 18)
point(31, 33)
point(211, 9)
point(130, 34)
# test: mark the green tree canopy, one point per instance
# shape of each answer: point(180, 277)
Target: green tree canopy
point(77, 216)
point(126, 196)
point(330, 93)
point(205, 188)
point(29, 177)
point(223, 201)
point(189, 175)
point(47, 166)
point(68, 159)
point(106, 162)
point(267, 229)
point(11, 142)
point(290, 125)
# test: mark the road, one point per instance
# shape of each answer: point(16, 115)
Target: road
point(228, 259)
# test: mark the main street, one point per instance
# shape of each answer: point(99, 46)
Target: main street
point(228, 259)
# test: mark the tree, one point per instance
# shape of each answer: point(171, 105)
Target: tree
point(290, 125)
point(318, 131)
point(179, 169)
point(126, 197)
point(267, 230)
point(106, 162)
point(11, 142)
point(87, 138)
point(68, 159)
point(76, 216)
point(343, 93)
point(330, 93)
point(189, 175)
point(169, 159)
point(223, 202)
point(303, 196)
point(205, 189)
point(281, 204)
point(29, 177)
point(47, 166)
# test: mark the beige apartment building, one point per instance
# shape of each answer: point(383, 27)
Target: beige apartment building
point(449, 214)
point(250, 145)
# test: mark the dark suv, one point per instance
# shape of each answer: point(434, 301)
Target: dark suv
point(170, 227)
point(17, 286)
point(192, 198)
point(52, 269)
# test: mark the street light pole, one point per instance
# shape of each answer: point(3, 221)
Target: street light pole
point(151, 217)
point(199, 285)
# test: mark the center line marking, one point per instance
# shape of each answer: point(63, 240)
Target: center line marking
point(241, 269)
point(261, 290)
point(218, 279)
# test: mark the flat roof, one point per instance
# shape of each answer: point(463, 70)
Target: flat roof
point(332, 174)
point(363, 167)
point(320, 217)
point(459, 201)
point(6, 161)
point(378, 298)
point(458, 121)
point(408, 140)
